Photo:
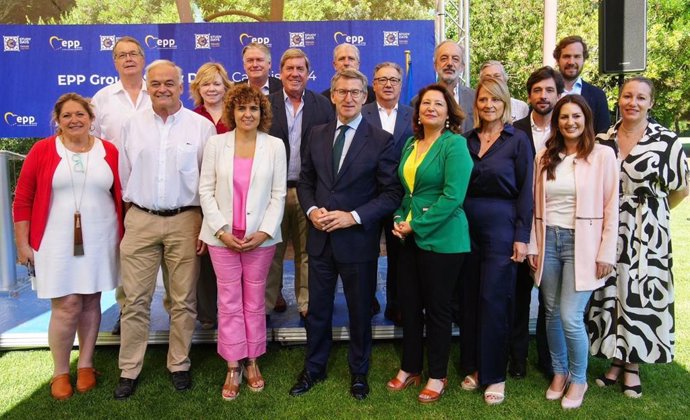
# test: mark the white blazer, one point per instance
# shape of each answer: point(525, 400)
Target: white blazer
point(267, 187)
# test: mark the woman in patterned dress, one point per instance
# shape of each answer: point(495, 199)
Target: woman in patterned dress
point(631, 317)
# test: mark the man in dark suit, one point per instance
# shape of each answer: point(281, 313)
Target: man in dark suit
point(256, 59)
point(295, 111)
point(346, 56)
point(544, 86)
point(348, 183)
point(449, 63)
point(389, 114)
point(570, 54)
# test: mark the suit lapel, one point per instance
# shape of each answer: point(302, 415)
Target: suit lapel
point(280, 115)
point(401, 121)
point(430, 156)
point(356, 146)
point(228, 160)
point(307, 111)
point(259, 153)
point(327, 150)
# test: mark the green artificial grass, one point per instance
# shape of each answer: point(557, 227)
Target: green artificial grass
point(24, 392)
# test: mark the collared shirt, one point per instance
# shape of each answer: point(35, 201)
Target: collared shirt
point(160, 160)
point(518, 109)
point(113, 107)
point(577, 88)
point(264, 88)
point(387, 121)
point(294, 123)
point(349, 135)
point(539, 136)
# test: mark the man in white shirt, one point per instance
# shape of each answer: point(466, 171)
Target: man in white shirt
point(256, 59)
point(544, 86)
point(115, 103)
point(389, 114)
point(449, 63)
point(495, 69)
point(160, 160)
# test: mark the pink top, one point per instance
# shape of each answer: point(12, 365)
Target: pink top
point(242, 172)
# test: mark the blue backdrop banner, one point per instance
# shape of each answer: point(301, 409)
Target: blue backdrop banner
point(39, 63)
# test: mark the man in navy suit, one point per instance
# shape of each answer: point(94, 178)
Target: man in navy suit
point(570, 54)
point(389, 114)
point(256, 59)
point(295, 111)
point(347, 185)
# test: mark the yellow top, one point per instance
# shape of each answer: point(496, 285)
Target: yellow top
point(410, 170)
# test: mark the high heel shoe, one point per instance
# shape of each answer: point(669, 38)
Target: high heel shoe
point(552, 395)
point(603, 381)
point(495, 397)
point(231, 390)
point(254, 379)
point(632, 391)
point(568, 404)
point(395, 384)
point(469, 383)
point(430, 396)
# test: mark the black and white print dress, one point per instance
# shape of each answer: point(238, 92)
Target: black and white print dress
point(631, 316)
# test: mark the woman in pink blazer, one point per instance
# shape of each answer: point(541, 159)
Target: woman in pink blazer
point(242, 190)
point(573, 242)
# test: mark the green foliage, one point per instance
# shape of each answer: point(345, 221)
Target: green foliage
point(119, 11)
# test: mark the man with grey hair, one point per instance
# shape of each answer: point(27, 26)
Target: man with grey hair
point(396, 118)
point(346, 56)
point(449, 63)
point(348, 184)
point(296, 110)
point(256, 59)
point(115, 103)
point(493, 68)
point(160, 160)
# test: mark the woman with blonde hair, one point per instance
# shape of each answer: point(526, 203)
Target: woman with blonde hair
point(208, 91)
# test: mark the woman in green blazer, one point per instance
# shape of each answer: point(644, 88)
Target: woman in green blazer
point(434, 170)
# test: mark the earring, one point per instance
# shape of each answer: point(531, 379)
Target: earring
point(447, 123)
point(419, 121)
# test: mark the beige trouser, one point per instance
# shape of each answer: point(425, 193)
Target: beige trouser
point(294, 229)
point(150, 241)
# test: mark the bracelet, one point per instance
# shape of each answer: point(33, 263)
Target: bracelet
point(219, 234)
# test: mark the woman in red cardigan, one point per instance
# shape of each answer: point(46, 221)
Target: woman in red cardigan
point(68, 223)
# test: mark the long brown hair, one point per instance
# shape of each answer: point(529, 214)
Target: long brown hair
point(555, 144)
point(456, 115)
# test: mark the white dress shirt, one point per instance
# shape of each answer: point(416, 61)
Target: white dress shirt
point(387, 121)
point(160, 161)
point(113, 107)
point(518, 109)
point(539, 136)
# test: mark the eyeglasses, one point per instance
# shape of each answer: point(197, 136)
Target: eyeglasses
point(124, 55)
point(394, 81)
point(342, 93)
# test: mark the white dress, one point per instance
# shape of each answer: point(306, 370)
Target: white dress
point(58, 271)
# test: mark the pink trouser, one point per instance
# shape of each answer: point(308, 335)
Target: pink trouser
point(241, 313)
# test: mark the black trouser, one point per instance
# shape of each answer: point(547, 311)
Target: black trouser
point(426, 281)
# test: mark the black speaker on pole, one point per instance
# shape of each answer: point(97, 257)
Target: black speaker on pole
point(622, 36)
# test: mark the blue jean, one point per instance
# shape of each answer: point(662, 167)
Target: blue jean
point(564, 306)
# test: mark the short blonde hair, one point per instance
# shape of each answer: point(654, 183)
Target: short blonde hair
point(206, 73)
point(498, 89)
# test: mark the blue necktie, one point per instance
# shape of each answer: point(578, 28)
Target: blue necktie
point(338, 148)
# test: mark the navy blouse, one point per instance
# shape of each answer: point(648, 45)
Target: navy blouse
point(505, 172)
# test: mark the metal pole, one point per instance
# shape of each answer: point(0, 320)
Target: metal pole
point(8, 253)
point(550, 26)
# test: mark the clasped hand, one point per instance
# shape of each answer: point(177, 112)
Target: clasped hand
point(402, 229)
point(328, 221)
point(246, 244)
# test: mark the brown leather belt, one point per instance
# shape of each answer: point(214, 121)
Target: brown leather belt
point(165, 213)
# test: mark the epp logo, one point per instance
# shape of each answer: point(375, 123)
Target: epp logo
point(340, 37)
point(13, 119)
point(58, 43)
point(245, 39)
point(107, 42)
point(10, 43)
point(160, 43)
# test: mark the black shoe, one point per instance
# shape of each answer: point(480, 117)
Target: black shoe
point(517, 370)
point(393, 315)
point(182, 380)
point(116, 327)
point(305, 382)
point(359, 388)
point(125, 388)
point(375, 306)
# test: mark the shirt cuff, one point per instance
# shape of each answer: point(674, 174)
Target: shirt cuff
point(311, 209)
point(356, 217)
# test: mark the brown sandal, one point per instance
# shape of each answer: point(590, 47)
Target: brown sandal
point(430, 396)
point(255, 381)
point(231, 390)
point(60, 387)
point(86, 379)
